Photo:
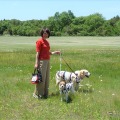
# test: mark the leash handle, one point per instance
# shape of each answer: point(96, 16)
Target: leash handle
point(36, 69)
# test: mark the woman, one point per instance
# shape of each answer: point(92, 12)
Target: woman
point(42, 63)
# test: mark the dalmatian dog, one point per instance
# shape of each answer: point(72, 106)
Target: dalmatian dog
point(72, 77)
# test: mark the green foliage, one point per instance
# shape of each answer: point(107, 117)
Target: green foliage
point(64, 24)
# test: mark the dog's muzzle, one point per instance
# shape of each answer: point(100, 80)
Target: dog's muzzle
point(87, 75)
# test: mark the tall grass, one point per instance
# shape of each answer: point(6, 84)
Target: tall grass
point(100, 102)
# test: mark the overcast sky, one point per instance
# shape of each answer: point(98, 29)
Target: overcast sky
point(42, 9)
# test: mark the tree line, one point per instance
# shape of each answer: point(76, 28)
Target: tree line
point(64, 24)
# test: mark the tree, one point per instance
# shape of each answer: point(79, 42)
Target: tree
point(64, 23)
point(94, 21)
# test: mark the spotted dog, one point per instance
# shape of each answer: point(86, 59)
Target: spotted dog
point(65, 89)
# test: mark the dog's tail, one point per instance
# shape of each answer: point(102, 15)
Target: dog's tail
point(57, 77)
point(58, 73)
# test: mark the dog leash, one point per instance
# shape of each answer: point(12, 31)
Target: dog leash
point(60, 61)
point(61, 58)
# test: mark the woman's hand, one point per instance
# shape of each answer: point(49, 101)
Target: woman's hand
point(36, 66)
point(56, 52)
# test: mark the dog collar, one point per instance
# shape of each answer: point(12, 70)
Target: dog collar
point(78, 80)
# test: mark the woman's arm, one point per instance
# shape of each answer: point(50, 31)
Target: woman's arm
point(36, 59)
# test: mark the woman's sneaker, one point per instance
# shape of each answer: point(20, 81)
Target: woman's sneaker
point(35, 96)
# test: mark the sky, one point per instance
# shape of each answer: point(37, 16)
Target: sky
point(43, 9)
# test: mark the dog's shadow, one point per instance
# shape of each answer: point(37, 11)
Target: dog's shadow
point(57, 93)
point(69, 99)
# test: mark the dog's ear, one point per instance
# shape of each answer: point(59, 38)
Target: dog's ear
point(57, 83)
point(81, 73)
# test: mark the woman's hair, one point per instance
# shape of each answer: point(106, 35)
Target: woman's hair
point(45, 30)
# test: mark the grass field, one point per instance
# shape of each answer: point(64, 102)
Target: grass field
point(99, 55)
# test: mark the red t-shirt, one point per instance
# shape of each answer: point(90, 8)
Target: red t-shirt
point(43, 47)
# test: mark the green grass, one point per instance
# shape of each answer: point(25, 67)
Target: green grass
point(100, 55)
